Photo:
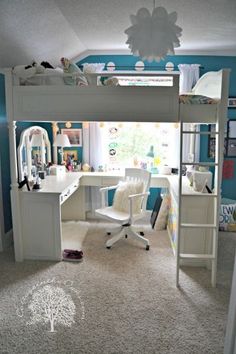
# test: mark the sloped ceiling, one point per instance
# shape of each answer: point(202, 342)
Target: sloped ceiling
point(49, 29)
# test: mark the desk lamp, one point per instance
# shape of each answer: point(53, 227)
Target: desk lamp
point(62, 141)
point(37, 141)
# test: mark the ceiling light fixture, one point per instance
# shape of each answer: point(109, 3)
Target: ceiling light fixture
point(153, 36)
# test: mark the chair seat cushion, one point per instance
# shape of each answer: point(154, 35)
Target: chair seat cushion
point(113, 214)
point(122, 193)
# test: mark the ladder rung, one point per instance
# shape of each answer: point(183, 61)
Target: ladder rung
point(200, 163)
point(196, 256)
point(201, 133)
point(199, 226)
point(199, 194)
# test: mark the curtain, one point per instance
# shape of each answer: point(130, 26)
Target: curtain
point(93, 155)
point(189, 75)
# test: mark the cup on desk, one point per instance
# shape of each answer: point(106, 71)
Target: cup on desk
point(42, 174)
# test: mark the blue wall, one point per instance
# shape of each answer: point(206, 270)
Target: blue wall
point(5, 158)
point(208, 63)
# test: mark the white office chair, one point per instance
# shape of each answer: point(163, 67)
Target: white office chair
point(133, 176)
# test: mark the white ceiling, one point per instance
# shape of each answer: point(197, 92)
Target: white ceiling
point(49, 29)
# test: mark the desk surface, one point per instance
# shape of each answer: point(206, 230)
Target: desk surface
point(58, 184)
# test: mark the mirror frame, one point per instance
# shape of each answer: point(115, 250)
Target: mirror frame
point(25, 141)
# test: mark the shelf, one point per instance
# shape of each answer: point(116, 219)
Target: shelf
point(200, 133)
point(196, 256)
point(198, 226)
point(208, 195)
point(199, 163)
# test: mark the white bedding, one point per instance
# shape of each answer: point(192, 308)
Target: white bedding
point(55, 77)
point(49, 77)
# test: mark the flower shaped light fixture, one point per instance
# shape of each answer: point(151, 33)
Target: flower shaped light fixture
point(153, 36)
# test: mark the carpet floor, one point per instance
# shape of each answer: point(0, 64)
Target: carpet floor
point(121, 300)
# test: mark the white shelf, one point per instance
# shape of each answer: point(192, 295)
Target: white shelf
point(198, 194)
point(200, 226)
point(196, 256)
point(199, 163)
point(200, 133)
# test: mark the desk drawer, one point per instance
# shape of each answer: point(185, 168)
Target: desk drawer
point(110, 181)
point(91, 181)
point(69, 191)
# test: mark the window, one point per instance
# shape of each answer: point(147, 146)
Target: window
point(128, 144)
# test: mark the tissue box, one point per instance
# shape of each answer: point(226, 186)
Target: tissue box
point(57, 170)
point(201, 179)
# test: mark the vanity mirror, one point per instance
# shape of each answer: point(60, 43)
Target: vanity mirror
point(34, 152)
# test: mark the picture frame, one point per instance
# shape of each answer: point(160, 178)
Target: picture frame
point(231, 148)
point(232, 128)
point(232, 102)
point(74, 136)
point(67, 153)
point(212, 141)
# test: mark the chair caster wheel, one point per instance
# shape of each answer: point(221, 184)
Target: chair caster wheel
point(147, 248)
point(108, 247)
point(108, 233)
point(126, 236)
point(141, 233)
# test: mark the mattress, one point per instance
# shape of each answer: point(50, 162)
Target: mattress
point(196, 99)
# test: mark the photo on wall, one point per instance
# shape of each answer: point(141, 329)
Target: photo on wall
point(74, 136)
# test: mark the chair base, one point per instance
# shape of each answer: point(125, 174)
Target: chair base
point(124, 231)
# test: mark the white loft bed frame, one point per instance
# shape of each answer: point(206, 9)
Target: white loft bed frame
point(99, 103)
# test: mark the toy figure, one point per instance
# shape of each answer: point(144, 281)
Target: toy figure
point(70, 68)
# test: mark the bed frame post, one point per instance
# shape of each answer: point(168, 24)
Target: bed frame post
point(15, 197)
point(222, 113)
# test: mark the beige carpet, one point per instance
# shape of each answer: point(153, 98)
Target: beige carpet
point(73, 234)
point(121, 300)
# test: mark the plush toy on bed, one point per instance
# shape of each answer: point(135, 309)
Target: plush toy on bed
point(24, 72)
point(70, 68)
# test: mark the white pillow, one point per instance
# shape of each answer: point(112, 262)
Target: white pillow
point(121, 197)
point(89, 68)
point(162, 216)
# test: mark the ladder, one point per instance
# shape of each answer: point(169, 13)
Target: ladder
point(211, 256)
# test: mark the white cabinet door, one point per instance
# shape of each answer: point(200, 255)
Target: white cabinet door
point(41, 226)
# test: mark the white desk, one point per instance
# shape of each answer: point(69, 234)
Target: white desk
point(63, 198)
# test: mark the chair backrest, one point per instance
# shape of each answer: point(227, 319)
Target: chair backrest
point(139, 175)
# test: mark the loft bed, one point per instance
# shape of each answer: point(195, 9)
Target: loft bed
point(120, 103)
point(123, 103)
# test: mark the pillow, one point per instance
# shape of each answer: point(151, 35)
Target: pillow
point(227, 217)
point(121, 197)
point(89, 68)
point(162, 216)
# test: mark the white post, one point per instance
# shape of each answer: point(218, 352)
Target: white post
point(54, 133)
point(179, 200)
point(219, 158)
point(28, 157)
point(15, 198)
point(43, 157)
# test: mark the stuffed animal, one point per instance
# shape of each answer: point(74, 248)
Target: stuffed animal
point(46, 65)
point(70, 68)
point(24, 72)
